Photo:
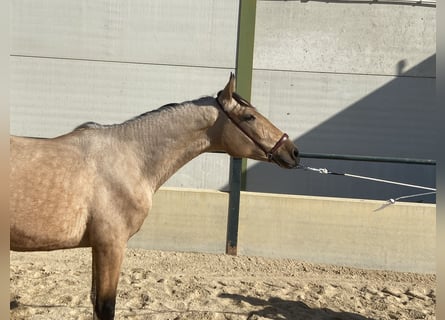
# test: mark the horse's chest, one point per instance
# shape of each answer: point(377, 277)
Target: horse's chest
point(126, 204)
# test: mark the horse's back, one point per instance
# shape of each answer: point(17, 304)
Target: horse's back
point(50, 186)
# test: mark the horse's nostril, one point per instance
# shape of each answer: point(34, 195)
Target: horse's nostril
point(296, 154)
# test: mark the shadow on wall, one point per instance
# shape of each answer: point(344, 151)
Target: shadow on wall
point(396, 120)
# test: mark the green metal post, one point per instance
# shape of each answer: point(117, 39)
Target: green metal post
point(244, 66)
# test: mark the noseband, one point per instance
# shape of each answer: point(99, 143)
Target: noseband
point(269, 153)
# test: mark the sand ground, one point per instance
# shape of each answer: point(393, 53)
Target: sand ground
point(171, 285)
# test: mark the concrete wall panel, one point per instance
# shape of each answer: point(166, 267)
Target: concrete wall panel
point(339, 231)
point(348, 114)
point(185, 220)
point(358, 233)
point(347, 78)
point(177, 32)
point(344, 37)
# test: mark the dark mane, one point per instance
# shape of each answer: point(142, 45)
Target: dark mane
point(89, 125)
point(167, 107)
point(95, 125)
point(164, 108)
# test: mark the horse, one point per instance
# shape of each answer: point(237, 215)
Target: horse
point(93, 187)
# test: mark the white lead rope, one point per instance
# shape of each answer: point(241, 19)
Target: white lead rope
point(412, 196)
point(388, 181)
point(326, 171)
point(390, 201)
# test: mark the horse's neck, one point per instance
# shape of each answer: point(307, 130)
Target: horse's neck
point(167, 140)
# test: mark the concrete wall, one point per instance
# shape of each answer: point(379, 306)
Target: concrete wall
point(349, 232)
point(353, 78)
point(347, 78)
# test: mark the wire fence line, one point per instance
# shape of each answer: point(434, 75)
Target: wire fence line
point(424, 3)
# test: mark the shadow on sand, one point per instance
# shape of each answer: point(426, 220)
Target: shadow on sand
point(278, 309)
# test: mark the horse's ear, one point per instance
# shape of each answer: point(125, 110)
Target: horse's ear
point(226, 94)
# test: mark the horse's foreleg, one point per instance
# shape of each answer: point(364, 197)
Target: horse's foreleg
point(93, 280)
point(107, 262)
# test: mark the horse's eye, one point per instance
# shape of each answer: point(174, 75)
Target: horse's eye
point(249, 117)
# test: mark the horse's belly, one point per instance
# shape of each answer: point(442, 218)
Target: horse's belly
point(46, 220)
point(23, 238)
point(44, 228)
point(48, 200)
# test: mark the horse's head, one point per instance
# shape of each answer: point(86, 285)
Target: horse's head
point(247, 133)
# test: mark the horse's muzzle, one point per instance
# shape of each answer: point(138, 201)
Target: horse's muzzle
point(287, 157)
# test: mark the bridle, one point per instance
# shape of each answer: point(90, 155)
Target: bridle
point(269, 153)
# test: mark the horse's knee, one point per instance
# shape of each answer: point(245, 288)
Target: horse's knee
point(105, 309)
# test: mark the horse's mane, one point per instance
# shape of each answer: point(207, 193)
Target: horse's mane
point(89, 125)
point(165, 108)
point(95, 125)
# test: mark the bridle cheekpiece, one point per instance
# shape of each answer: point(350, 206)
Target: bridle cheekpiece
point(269, 153)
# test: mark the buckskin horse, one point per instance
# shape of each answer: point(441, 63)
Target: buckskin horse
point(93, 187)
